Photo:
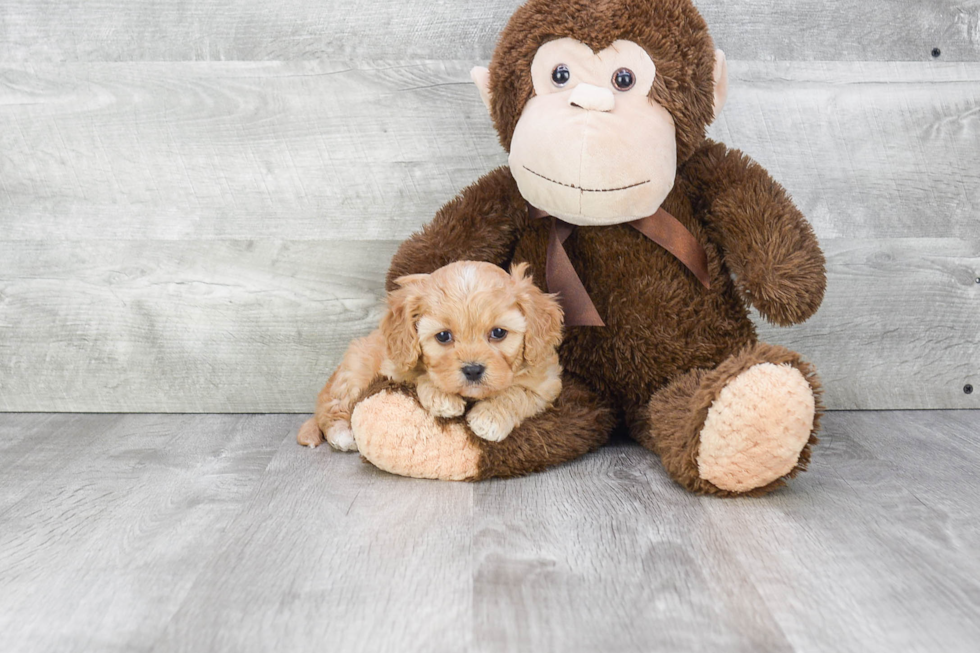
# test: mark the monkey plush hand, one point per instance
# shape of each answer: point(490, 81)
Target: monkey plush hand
point(657, 241)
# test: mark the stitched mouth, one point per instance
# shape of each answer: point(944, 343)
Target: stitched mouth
point(586, 190)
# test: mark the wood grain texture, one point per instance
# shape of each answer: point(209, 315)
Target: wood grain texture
point(899, 327)
point(114, 517)
point(316, 151)
point(250, 30)
point(885, 532)
point(866, 150)
point(334, 554)
point(229, 326)
point(208, 236)
point(334, 151)
point(608, 554)
point(181, 326)
point(31, 445)
point(219, 533)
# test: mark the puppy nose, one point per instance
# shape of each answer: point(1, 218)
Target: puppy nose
point(593, 98)
point(473, 371)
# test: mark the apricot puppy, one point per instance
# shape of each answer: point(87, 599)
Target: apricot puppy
point(469, 334)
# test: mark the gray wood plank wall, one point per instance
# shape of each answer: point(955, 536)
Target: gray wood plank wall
point(198, 201)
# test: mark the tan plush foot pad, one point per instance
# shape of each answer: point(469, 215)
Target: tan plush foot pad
point(395, 434)
point(756, 428)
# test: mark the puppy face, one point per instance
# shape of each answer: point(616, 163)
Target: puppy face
point(472, 326)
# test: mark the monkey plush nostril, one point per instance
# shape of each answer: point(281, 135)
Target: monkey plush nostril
point(473, 372)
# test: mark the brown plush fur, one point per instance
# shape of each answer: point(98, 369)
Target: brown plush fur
point(579, 422)
point(666, 336)
point(660, 322)
point(771, 249)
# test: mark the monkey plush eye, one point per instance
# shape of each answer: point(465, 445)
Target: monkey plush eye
point(497, 333)
point(445, 337)
point(624, 79)
point(561, 74)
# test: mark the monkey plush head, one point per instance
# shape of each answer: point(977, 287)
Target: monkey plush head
point(599, 101)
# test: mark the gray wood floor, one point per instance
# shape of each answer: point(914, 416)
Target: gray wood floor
point(219, 533)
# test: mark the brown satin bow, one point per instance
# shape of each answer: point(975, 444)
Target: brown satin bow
point(661, 227)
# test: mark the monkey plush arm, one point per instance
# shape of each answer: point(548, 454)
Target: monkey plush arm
point(767, 244)
point(483, 223)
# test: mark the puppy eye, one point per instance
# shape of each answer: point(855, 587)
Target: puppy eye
point(498, 334)
point(560, 75)
point(445, 337)
point(624, 79)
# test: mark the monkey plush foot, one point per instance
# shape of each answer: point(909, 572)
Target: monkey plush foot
point(742, 428)
point(395, 433)
point(756, 428)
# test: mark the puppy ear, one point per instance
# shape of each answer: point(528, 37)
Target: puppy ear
point(411, 280)
point(543, 315)
point(518, 272)
point(398, 324)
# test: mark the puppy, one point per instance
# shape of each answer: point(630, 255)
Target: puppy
point(468, 332)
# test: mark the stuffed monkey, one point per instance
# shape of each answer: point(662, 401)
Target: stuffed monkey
point(656, 239)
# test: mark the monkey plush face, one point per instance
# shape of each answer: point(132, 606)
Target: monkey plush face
point(590, 147)
point(597, 113)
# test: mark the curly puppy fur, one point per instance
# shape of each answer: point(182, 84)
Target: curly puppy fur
point(467, 332)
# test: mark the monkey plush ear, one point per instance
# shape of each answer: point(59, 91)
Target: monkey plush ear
point(481, 77)
point(721, 81)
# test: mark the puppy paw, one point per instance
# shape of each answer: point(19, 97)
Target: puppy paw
point(449, 406)
point(340, 437)
point(440, 404)
point(487, 422)
point(309, 434)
